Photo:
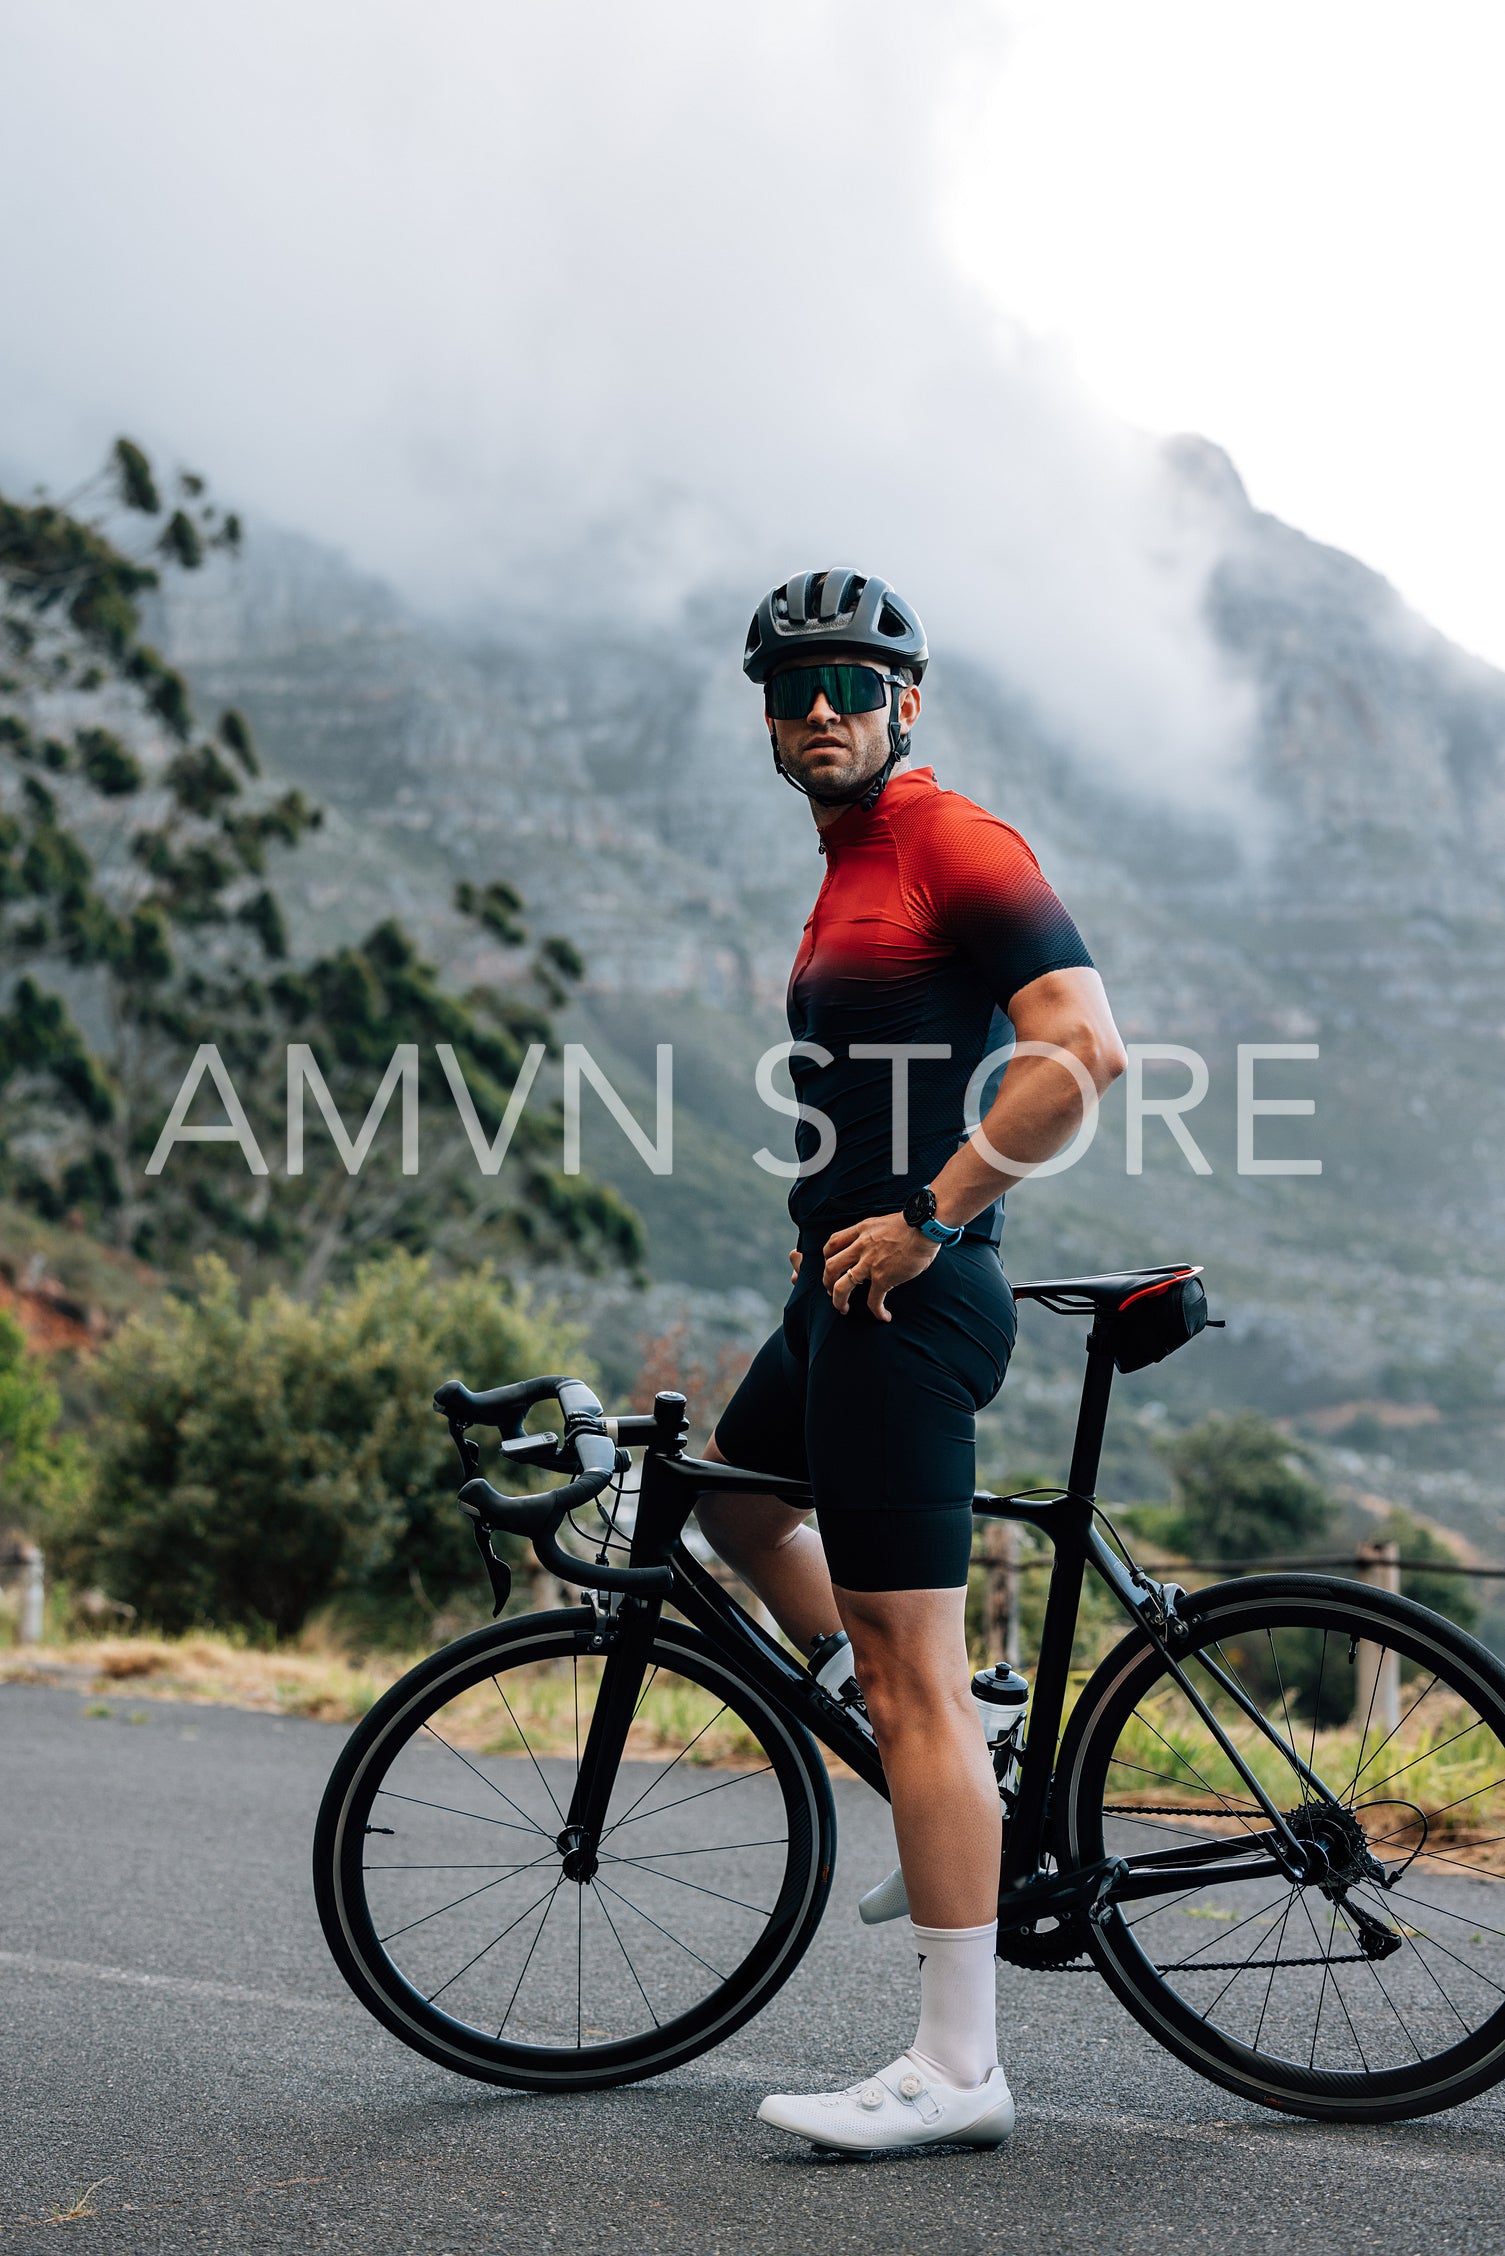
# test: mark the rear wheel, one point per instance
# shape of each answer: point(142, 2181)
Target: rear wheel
point(464, 1916)
point(1378, 1991)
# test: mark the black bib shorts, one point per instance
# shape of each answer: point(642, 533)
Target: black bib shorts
point(881, 1418)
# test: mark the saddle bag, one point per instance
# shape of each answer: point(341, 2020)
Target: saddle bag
point(1153, 1323)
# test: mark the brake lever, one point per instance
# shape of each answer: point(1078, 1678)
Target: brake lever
point(498, 1573)
point(470, 1455)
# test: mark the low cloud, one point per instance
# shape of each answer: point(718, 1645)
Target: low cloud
point(580, 310)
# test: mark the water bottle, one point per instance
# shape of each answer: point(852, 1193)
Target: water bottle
point(830, 1664)
point(1000, 1696)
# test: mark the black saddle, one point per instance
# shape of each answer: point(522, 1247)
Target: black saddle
point(1149, 1312)
point(1080, 1296)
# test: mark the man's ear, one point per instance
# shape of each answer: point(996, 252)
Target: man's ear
point(909, 707)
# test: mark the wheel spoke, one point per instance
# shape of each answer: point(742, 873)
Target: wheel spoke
point(763, 1911)
point(1162, 1777)
point(528, 1961)
point(1425, 1692)
point(1201, 1781)
point(1428, 1754)
point(1285, 1706)
point(549, 1892)
point(1389, 2000)
point(1374, 1688)
point(485, 1781)
point(741, 1779)
point(1279, 1947)
point(663, 1774)
point(469, 1897)
point(391, 1794)
point(677, 1940)
point(1184, 1965)
point(528, 1751)
point(712, 1848)
point(622, 1947)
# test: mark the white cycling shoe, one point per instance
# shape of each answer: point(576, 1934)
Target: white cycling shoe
point(899, 2108)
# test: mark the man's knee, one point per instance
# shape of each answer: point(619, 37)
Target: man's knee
point(909, 1650)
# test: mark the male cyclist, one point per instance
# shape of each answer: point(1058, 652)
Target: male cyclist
point(933, 918)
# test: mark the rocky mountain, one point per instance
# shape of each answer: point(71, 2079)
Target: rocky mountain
point(622, 782)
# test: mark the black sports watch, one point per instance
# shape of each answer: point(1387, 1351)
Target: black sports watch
point(919, 1212)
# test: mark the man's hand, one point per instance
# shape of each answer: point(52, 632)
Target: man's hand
point(795, 1257)
point(882, 1254)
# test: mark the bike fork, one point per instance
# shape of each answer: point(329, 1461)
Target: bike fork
point(605, 1743)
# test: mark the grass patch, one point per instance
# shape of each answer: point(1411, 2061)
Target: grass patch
point(214, 1671)
point(1438, 1766)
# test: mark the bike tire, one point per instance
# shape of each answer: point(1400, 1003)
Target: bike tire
point(1441, 1979)
point(786, 1779)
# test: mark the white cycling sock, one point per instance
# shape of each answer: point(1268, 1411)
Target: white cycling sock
point(957, 2039)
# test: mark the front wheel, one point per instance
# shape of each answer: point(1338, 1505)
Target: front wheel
point(1376, 1989)
point(466, 1917)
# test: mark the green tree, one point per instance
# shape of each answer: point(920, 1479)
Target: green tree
point(1242, 1490)
point(1449, 1594)
point(137, 897)
point(43, 1474)
point(259, 1458)
point(134, 847)
point(353, 1009)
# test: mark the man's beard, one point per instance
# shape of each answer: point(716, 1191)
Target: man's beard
point(834, 794)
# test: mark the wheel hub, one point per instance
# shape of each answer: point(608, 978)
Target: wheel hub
point(581, 1862)
point(1343, 1857)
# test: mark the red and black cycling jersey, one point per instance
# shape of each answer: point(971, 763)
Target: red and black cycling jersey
point(932, 916)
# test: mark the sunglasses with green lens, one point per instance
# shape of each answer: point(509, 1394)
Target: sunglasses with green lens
point(847, 689)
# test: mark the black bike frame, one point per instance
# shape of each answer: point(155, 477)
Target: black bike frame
point(671, 1483)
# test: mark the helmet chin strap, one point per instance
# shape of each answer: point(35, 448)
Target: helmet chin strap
point(861, 795)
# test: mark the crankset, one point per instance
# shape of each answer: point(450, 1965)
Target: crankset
point(1044, 1948)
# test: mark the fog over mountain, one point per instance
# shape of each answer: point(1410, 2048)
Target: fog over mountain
point(570, 313)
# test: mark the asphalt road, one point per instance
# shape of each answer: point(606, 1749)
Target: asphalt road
point(175, 2037)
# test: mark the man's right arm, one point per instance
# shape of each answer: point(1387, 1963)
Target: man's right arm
point(1041, 1103)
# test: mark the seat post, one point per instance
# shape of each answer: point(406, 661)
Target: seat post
point(1092, 1412)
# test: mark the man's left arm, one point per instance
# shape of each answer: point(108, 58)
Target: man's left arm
point(1037, 1110)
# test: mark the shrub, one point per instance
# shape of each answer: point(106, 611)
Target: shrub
point(42, 1474)
point(1242, 1491)
point(258, 1461)
point(1449, 1594)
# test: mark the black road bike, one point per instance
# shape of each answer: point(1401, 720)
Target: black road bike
point(577, 1848)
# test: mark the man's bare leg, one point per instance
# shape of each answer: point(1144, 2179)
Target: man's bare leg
point(910, 1653)
point(777, 1555)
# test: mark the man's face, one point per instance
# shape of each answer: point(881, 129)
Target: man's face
point(834, 754)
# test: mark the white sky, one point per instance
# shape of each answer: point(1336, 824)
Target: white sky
point(459, 285)
point(1276, 222)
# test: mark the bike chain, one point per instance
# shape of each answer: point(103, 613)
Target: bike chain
point(1170, 1809)
point(1208, 1965)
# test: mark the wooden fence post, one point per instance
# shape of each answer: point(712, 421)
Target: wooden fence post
point(1377, 1690)
point(1001, 1589)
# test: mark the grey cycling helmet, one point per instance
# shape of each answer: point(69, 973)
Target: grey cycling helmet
point(817, 612)
point(837, 614)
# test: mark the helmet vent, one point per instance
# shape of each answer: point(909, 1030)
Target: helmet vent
point(890, 623)
point(836, 593)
